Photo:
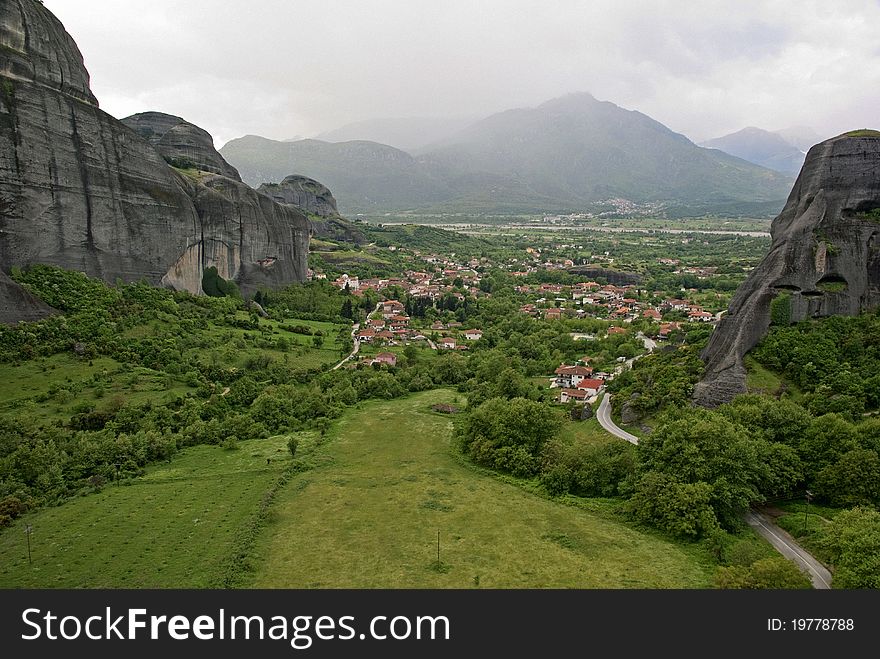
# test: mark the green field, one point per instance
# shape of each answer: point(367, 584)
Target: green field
point(369, 517)
point(53, 387)
point(176, 527)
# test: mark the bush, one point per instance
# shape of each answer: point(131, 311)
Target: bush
point(508, 435)
point(765, 573)
point(292, 445)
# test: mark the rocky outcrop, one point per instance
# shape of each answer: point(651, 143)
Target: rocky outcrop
point(824, 259)
point(82, 191)
point(17, 304)
point(182, 144)
point(316, 200)
point(303, 192)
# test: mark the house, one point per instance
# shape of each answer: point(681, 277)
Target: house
point(700, 316)
point(387, 358)
point(447, 342)
point(385, 335)
point(616, 330)
point(376, 323)
point(553, 314)
point(473, 335)
point(366, 335)
point(679, 305)
point(653, 314)
point(351, 283)
point(392, 308)
point(576, 395)
point(591, 386)
point(571, 376)
point(668, 328)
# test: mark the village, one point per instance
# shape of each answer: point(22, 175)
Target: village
point(444, 282)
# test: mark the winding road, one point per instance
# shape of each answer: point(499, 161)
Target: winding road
point(603, 416)
point(357, 344)
point(762, 523)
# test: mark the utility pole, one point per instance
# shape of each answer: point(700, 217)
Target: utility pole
point(808, 496)
point(27, 531)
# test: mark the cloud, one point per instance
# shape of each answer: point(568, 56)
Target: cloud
point(280, 68)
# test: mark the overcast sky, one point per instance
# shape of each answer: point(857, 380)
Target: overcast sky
point(281, 68)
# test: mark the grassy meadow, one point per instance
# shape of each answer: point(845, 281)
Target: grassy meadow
point(176, 527)
point(369, 514)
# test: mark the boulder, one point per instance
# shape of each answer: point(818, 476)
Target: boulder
point(824, 259)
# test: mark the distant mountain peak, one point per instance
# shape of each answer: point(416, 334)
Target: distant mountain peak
point(761, 147)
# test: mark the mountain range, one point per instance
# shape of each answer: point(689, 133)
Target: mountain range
point(563, 155)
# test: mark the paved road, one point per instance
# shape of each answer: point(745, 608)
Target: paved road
point(788, 547)
point(763, 524)
point(603, 415)
point(357, 344)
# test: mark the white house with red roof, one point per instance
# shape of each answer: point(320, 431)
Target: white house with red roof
point(571, 376)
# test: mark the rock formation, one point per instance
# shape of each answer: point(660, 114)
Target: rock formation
point(181, 143)
point(317, 201)
point(824, 259)
point(303, 192)
point(17, 304)
point(82, 191)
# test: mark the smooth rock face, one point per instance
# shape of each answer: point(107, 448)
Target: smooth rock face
point(181, 143)
point(824, 259)
point(82, 191)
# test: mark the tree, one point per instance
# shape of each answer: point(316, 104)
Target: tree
point(509, 435)
point(696, 446)
point(851, 481)
point(681, 509)
point(412, 355)
point(853, 541)
point(292, 445)
point(826, 439)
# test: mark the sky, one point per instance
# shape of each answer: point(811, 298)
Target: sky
point(285, 68)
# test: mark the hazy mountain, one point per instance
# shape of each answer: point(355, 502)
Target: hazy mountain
point(562, 155)
point(763, 148)
point(364, 176)
point(406, 133)
point(576, 148)
point(803, 137)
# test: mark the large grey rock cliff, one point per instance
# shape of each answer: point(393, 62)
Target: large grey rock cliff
point(317, 201)
point(824, 259)
point(181, 143)
point(82, 191)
